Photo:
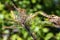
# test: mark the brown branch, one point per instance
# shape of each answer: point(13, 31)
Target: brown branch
point(23, 17)
point(52, 18)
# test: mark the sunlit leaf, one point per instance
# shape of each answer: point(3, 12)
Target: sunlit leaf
point(33, 1)
point(15, 37)
point(1, 16)
point(38, 6)
point(58, 36)
point(1, 6)
point(48, 36)
point(45, 30)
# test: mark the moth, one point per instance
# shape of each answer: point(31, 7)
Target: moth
point(52, 18)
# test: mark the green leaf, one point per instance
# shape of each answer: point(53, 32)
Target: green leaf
point(26, 2)
point(1, 16)
point(1, 6)
point(48, 36)
point(38, 6)
point(58, 36)
point(45, 30)
point(36, 29)
point(15, 37)
point(33, 1)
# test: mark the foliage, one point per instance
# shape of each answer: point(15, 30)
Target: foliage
point(38, 25)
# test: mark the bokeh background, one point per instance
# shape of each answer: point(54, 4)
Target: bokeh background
point(39, 25)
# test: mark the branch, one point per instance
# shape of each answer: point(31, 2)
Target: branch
point(37, 13)
point(52, 18)
point(22, 19)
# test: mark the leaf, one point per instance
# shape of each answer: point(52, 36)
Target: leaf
point(33, 1)
point(58, 36)
point(15, 36)
point(36, 29)
point(13, 15)
point(48, 36)
point(1, 6)
point(45, 30)
point(38, 6)
point(1, 16)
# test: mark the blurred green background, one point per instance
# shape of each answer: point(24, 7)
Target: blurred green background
point(39, 25)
